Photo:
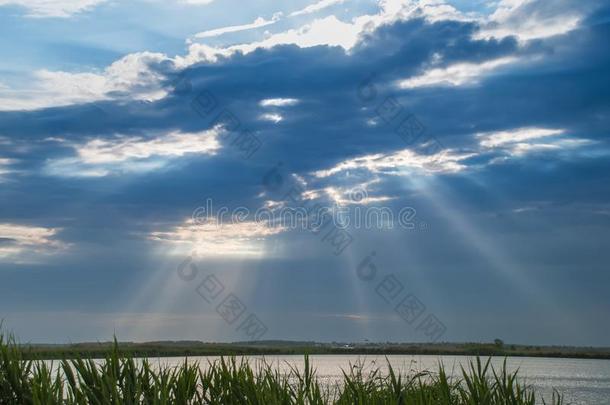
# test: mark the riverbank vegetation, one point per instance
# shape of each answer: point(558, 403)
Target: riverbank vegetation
point(194, 348)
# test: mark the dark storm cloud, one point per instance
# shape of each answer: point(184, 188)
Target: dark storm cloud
point(559, 85)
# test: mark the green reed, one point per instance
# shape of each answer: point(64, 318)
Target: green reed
point(121, 379)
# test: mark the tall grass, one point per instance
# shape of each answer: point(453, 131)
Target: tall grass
point(120, 379)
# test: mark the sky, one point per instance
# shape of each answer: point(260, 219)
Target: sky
point(449, 160)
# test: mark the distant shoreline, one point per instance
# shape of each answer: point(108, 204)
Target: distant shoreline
point(191, 349)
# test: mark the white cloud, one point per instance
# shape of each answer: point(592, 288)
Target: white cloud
point(4, 166)
point(315, 7)
point(5, 162)
point(431, 10)
point(129, 77)
point(531, 29)
point(20, 243)
point(326, 31)
point(53, 8)
point(197, 2)
point(521, 141)
point(531, 19)
point(515, 136)
point(271, 117)
point(102, 157)
point(402, 161)
point(211, 238)
point(278, 102)
point(323, 31)
point(348, 195)
point(258, 23)
point(508, 144)
point(201, 53)
point(457, 74)
point(174, 144)
point(262, 22)
point(331, 31)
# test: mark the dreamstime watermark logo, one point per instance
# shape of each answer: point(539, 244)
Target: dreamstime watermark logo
point(349, 214)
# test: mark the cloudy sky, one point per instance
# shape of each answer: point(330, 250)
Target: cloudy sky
point(481, 126)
